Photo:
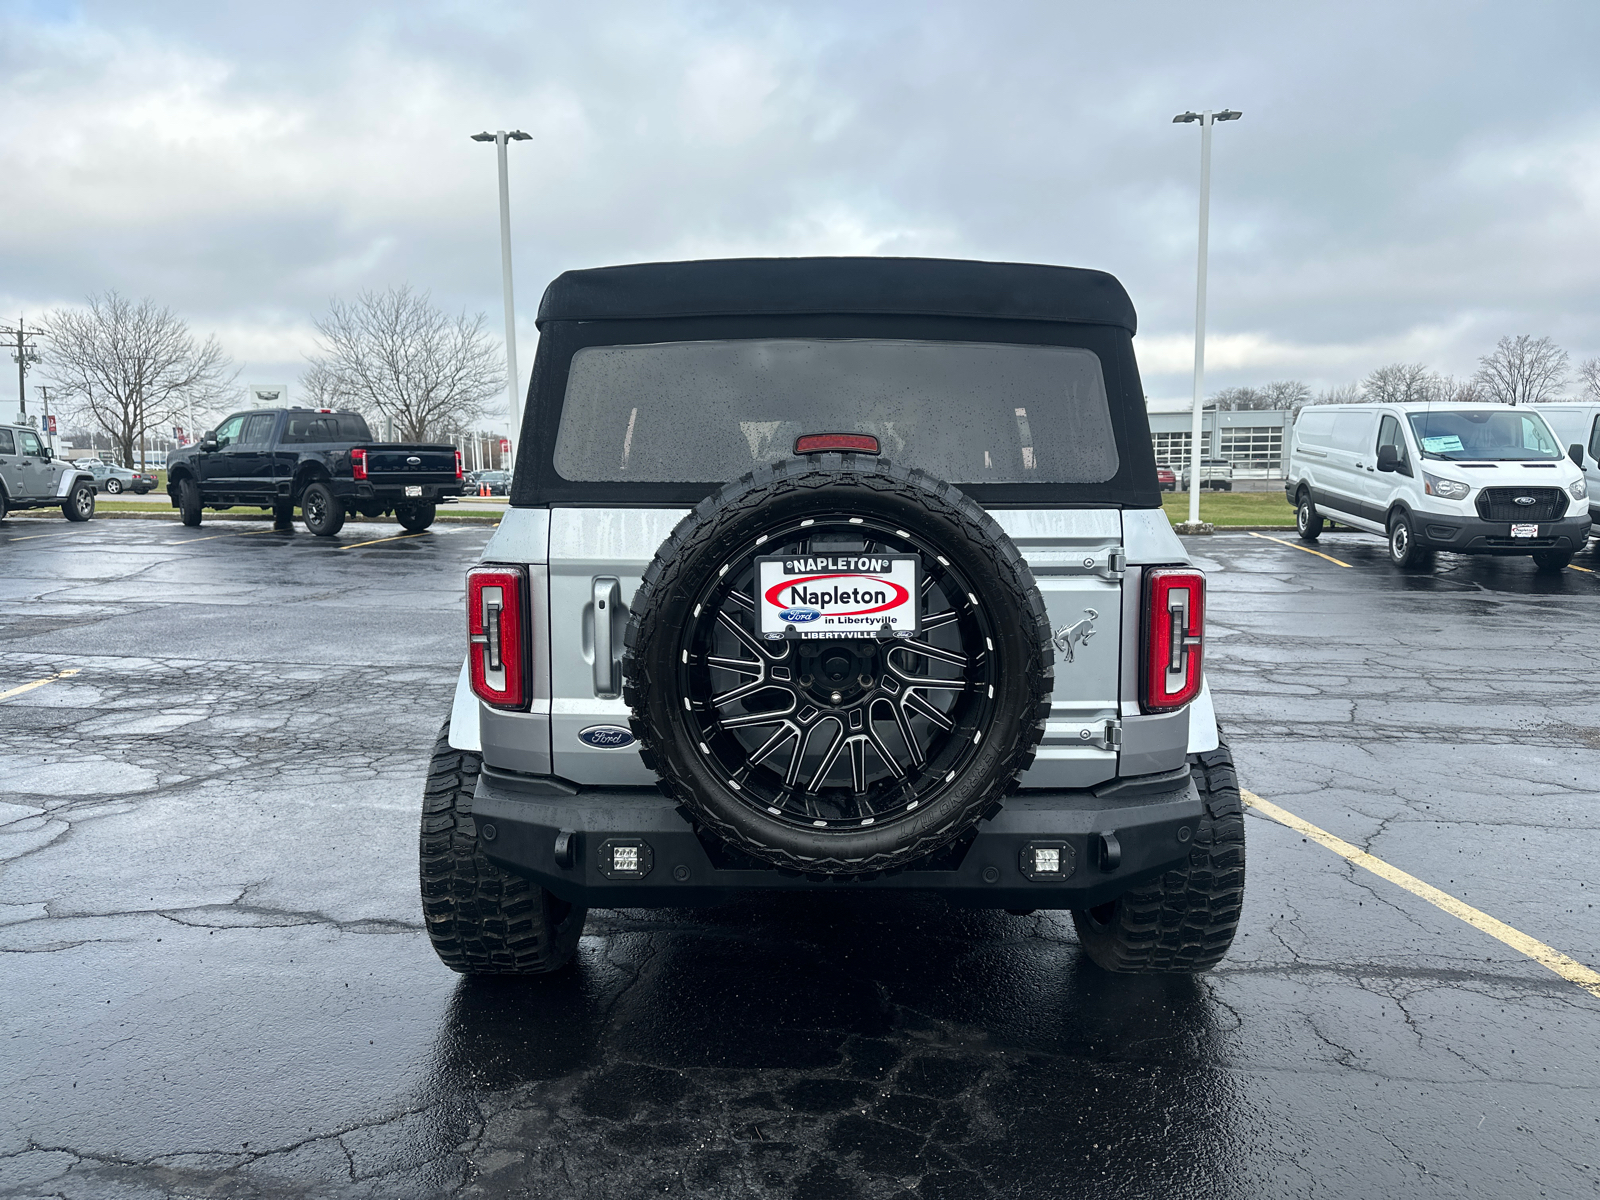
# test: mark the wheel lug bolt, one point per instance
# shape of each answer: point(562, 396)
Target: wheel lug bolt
point(866, 680)
point(837, 697)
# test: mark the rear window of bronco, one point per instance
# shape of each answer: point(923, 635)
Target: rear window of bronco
point(968, 412)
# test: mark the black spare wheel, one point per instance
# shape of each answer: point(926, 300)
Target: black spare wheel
point(838, 665)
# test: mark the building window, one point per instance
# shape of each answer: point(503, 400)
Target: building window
point(1253, 449)
point(1172, 449)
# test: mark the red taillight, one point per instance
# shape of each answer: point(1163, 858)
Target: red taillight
point(460, 474)
point(358, 464)
point(817, 443)
point(1174, 636)
point(497, 647)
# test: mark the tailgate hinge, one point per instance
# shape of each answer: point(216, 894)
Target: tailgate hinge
point(1103, 735)
point(1115, 565)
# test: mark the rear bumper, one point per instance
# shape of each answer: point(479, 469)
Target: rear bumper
point(388, 494)
point(525, 823)
point(1473, 535)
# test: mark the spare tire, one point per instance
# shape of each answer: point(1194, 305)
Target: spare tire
point(838, 753)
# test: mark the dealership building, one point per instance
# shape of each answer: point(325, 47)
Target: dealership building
point(1252, 441)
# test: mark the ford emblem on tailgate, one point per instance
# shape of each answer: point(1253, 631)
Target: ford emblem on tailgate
point(413, 461)
point(606, 737)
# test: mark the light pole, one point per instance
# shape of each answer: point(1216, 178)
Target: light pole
point(500, 138)
point(1206, 119)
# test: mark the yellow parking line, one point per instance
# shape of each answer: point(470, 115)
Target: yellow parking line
point(214, 536)
point(399, 537)
point(1292, 546)
point(1569, 969)
point(1585, 570)
point(37, 683)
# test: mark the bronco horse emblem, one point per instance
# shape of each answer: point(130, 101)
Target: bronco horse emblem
point(1081, 632)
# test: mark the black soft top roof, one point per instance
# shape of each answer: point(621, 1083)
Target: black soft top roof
point(817, 286)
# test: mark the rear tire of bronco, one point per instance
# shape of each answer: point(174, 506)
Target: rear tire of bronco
point(482, 920)
point(416, 516)
point(189, 501)
point(1307, 520)
point(1552, 562)
point(858, 752)
point(79, 505)
point(321, 509)
point(1184, 921)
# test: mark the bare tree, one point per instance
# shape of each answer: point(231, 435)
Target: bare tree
point(1589, 378)
point(1523, 370)
point(1398, 383)
point(129, 367)
point(1287, 393)
point(1239, 399)
point(1448, 387)
point(395, 353)
point(1348, 393)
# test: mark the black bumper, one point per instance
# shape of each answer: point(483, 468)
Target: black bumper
point(1472, 535)
point(388, 495)
point(563, 840)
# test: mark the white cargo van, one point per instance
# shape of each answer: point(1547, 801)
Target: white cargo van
point(1577, 427)
point(1470, 478)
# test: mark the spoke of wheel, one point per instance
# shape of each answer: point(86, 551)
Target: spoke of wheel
point(921, 707)
point(939, 619)
point(938, 653)
point(755, 720)
point(884, 753)
point(772, 743)
point(740, 692)
point(742, 666)
point(832, 756)
point(793, 773)
point(903, 724)
point(742, 600)
point(858, 766)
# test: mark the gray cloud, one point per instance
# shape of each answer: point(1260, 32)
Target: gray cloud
point(1409, 181)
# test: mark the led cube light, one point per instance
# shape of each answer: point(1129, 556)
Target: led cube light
point(1046, 862)
point(625, 858)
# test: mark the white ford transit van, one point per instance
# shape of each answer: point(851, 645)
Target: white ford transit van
point(1577, 426)
point(1470, 478)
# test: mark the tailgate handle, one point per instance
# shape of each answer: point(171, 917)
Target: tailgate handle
point(607, 670)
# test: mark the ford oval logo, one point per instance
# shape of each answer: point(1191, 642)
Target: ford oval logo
point(1525, 500)
point(798, 616)
point(606, 737)
point(413, 461)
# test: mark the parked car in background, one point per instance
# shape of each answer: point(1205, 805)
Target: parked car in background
point(1577, 427)
point(1215, 473)
point(498, 482)
point(1473, 478)
point(1166, 480)
point(322, 460)
point(31, 478)
point(113, 480)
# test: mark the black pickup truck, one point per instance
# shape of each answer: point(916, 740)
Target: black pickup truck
point(321, 459)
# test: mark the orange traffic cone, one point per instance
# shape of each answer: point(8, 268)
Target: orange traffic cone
point(483, 489)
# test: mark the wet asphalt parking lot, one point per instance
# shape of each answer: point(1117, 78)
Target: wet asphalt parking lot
point(216, 981)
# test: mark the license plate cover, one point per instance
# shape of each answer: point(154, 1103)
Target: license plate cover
point(1524, 531)
point(838, 595)
point(414, 489)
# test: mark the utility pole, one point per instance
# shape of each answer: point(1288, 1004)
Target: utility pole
point(500, 138)
point(1196, 455)
point(25, 355)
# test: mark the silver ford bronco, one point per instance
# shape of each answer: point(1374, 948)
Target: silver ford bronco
point(834, 574)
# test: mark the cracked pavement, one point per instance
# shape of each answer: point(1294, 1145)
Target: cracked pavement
point(217, 984)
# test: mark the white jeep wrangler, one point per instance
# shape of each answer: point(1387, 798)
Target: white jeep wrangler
point(834, 574)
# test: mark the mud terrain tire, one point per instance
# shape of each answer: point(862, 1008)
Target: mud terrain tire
point(482, 920)
point(980, 565)
point(1184, 921)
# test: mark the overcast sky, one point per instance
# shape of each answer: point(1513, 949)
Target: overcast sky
point(1409, 181)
